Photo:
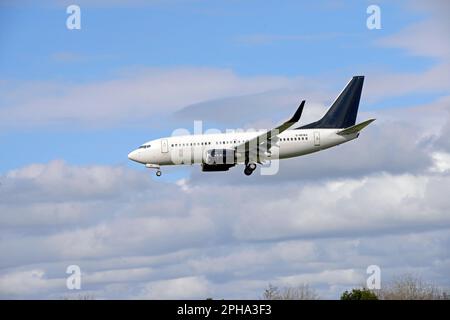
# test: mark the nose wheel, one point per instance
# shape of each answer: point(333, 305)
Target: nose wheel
point(249, 168)
point(155, 167)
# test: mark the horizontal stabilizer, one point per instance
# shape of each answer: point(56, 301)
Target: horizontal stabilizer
point(356, 128)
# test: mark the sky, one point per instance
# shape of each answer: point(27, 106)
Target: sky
point(74, 103)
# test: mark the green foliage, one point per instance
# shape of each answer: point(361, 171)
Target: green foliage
point(359, 294)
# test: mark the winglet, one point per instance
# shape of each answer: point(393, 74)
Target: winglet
point(298, 113)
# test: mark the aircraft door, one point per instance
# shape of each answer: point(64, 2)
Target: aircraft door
point(164, 146)
point(316, 138)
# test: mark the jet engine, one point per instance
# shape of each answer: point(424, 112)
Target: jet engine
point(219, 160)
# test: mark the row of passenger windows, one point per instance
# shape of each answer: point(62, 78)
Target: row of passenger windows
point(228, 142)
point(191, 144)
point(294, 139)
point(204, 143)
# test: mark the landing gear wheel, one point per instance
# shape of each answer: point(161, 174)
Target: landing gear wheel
point(247, 171)
point(249, 168)
point(158, 173)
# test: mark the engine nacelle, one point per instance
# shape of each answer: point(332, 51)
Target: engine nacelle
point(219, 160)
point(216, 167)
point(220, 157)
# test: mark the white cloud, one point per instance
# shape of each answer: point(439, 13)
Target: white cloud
point(379, 200)
point(330, 277)
point(79, 182)
point(130, 97)
point(219, 95)
point(373, 205)
point(316, 221)
point(180, 288)
point(223, 236)
point(424, 38)
point(117, 275)
point(441, 162)
point(19, 283)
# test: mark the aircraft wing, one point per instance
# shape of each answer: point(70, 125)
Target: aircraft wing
point(264, 140)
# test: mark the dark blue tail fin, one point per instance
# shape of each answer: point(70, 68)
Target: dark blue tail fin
point(342, 114)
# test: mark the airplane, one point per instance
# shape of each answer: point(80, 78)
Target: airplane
point(220, 152)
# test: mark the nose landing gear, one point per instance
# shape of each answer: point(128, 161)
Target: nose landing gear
point(154, 166)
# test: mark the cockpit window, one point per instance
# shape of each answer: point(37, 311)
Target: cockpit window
point(144, 146)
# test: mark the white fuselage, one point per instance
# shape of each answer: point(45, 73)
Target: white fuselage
point(190, 149)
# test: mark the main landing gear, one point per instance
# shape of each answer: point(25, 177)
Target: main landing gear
point(249, 168)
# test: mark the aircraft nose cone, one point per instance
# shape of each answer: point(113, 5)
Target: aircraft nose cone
point(133, 156)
